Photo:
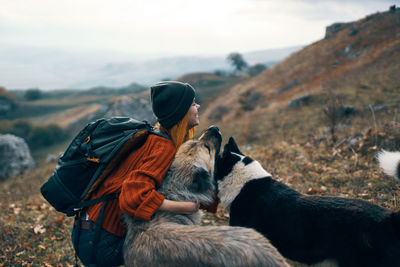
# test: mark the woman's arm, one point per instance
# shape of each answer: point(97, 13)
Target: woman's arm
point(138, 196)
point(181, 207)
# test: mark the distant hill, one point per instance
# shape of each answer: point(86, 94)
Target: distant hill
point(26, 67)
point(356, 63)
point(270, 56)
point(65, 112)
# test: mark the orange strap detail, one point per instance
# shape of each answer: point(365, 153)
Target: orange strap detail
point(95, 160)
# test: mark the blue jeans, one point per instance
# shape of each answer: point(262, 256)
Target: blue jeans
point(109, 247)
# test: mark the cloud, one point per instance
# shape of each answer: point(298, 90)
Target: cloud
point(175, 26)
point(103, 31)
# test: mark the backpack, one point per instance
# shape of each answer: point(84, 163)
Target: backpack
point(88, 160)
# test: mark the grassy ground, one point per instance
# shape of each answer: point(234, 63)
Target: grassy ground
point(33, 234)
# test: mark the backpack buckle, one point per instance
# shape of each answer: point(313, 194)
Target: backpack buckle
point(72, 211)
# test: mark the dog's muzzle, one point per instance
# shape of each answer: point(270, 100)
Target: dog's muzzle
point(212, 134)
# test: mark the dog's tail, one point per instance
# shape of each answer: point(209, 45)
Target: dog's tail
point(390, 163)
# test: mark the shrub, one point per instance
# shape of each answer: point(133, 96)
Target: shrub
point(33, 94)
point(46, 136)
point(37, 136)
point(221, 73)
point(22, 129)
point(7, 101)
point(256, 69)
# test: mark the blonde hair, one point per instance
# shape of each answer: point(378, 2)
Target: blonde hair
point(179, 133)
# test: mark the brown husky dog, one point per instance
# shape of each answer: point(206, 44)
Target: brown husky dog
point(171, 239)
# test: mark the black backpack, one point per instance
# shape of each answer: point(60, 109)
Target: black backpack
point(90, 157)
point(88, 160)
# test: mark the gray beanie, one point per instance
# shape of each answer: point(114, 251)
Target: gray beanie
point(170, 101)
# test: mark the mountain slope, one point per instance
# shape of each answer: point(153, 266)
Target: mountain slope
point(357, 62)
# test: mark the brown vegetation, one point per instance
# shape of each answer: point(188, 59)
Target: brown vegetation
point(362, 69)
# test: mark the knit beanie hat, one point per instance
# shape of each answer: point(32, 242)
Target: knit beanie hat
point(170, 101)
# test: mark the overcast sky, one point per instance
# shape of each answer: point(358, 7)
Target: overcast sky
point(175, 27)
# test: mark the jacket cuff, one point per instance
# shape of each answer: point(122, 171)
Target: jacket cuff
point(149, 206)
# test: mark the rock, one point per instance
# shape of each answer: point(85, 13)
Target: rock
point(248, 100)
point(333, 29)
point(353, 31)
point(15, 157)
point(335, 63)
point(219, 112)
point(354, 141)
point(287, 87)
point(350, 52)
point(377, 107)
point(51, 158)
point(136, 108)
point(5, 108)
point(347, 111)
point(301, 100)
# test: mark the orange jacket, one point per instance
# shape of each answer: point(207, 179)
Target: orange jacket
point(136, 179)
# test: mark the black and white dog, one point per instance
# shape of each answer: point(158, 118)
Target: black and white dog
point(390, 163)
point(307, 229)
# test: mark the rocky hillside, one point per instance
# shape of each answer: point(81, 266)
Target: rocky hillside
point(356, 63)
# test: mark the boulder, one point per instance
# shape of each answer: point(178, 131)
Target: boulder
point(133, 107)
point(299, 101)
point(333, 29)
point(347, 111)
point(288, 86)
point(15, 157)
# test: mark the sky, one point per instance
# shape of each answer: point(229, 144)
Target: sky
point(175, 27)
point(72, 43)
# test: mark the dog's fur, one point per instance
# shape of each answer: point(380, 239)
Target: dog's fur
point(171, 239)
point(307, 229)
point(390, 163)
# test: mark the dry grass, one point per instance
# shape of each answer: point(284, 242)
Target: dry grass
point(67, 117)
point(341, 64)
point(33, 234)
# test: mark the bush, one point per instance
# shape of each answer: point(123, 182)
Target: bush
point(37, 137)
point(256, 69)
point(248, 100)
point(33, 94)
point(8, 101)
point(22, 129)
point(221, 73)
point(46, 136)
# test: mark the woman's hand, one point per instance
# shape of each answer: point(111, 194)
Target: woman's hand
point(181, 207)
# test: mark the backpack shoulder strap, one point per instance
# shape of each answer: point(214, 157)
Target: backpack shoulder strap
point(159, 133)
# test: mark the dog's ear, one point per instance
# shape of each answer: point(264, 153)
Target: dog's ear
point(201, 180)
point(233, 146)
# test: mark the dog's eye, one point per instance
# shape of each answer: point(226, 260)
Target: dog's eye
point(209, 149)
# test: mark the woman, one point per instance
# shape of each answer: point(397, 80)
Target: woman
point(138, 176)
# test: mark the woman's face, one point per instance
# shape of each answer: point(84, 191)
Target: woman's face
point(193, 114)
